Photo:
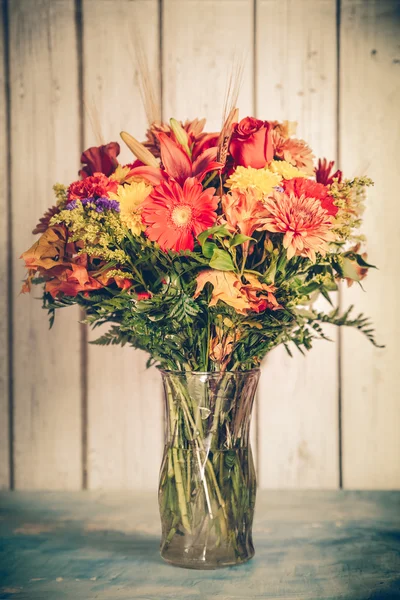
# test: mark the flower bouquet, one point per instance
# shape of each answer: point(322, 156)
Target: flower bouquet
point(207, 251)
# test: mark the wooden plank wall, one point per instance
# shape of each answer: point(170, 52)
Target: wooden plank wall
point(4, 267)
point(44, 149)
point(124, 401)
point(299, 396)
point(81, 416)
point(370, 143)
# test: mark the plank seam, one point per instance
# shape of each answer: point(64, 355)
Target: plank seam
point(160, 55)
point(161, 95)
point(83, 328)
point(10, 270)
point(255, 112)
point(340, 337)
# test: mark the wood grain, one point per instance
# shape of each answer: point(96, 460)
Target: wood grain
point(44, 146)
point(203, 41)
point(296, 80)
point(315, 545)
point(125, 412)
point(369, 144)
point(4, 266)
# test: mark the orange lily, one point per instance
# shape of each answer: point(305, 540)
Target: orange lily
point(177, 164)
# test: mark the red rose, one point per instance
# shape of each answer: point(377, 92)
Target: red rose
point(100, 159)
point(251, 143)
point(311, 189)
point(95, 186)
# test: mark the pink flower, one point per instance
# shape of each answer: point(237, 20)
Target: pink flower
point(305, 224)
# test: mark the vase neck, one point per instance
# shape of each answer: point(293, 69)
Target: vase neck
point(212, 408)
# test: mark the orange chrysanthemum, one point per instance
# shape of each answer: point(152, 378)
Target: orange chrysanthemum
point(175, 215)
point(305, 224)
point(294, 151)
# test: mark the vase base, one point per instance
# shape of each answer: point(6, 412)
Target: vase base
point(204, 565)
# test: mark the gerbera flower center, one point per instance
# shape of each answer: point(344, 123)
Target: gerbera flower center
point(181, 215)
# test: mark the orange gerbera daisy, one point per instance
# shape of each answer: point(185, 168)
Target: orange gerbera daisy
point(175, 215)
point(305, 224)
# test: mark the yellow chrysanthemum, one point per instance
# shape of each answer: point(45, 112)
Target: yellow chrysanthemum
point(262, 181)
point(130, 198)
point(120, 174)
point(285, 169)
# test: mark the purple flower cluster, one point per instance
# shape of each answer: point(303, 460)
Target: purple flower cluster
point(98, 204)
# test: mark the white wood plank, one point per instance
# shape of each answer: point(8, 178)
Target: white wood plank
point(369, 144)
point(296, 80)
point(4, 258)
point(44, 144)
point(202, 41)
point(125, 412)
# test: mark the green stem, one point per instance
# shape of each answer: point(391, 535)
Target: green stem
point(188, 476)
point(199, 442)
point(180, 490)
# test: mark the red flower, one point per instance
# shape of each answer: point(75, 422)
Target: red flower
point(143, 296)
point(100, 159)
point(97, 185)
point(310, 189)
point(251, 143)
point(323, 172)
point(175, 215)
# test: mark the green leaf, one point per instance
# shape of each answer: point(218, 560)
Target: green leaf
point(238, 239)
point(363, 263)
point(326, 295)
point(222, 261)
point(208, 248)
point(212, 231)
point(282, 261)
point(349, 270)
point(308, 289)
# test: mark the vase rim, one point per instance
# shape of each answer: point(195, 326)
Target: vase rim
point(213, 373)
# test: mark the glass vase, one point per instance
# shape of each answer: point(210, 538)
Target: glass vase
point(207, 486)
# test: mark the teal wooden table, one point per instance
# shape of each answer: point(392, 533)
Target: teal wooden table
point(309, 545)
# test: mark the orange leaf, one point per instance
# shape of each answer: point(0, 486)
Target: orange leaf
point(48, 251)
point(226, 287)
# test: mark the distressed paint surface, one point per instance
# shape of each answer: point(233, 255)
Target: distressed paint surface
point(370, 142)
point(314, 545)
point(45, 150)
point(4, 258)
point(125, 419)
point(298, 396)
point(291, 72)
